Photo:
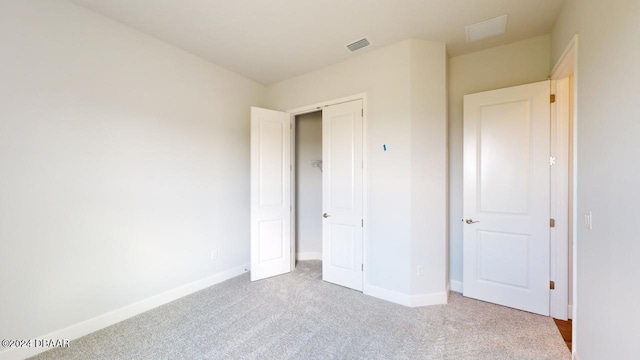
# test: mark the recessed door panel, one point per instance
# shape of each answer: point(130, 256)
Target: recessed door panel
point(492, 247)
point(505, 157)
point(341, 163)
point(271, 152)
point(342, 247)
point(270, 233)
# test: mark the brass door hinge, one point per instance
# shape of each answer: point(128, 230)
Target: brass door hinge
point(552, 285)
point(552, 223)
point(553, 98)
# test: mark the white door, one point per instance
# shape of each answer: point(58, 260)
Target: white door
point(270, 193)
point(506, 197)
point(342, 194)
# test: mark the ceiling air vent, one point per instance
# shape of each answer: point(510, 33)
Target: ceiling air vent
point(357, 45)
point(486, 29)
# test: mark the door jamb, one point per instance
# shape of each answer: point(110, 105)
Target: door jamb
point(365, 189)
point(559, 199)
point(567, 66)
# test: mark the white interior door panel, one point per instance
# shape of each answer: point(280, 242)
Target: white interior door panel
point(506, 197)
point(270, 193)
point(342, 194)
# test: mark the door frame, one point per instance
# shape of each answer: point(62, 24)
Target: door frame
point(559, 199)
point(567, 66)
point(365, 188)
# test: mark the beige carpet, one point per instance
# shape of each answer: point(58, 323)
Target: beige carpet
point(298, 316)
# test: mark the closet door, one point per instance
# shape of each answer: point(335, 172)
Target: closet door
point(342, 194)
point(270, 193)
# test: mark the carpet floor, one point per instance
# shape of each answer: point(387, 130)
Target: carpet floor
point(298, 316)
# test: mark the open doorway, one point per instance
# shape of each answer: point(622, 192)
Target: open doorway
point(330, 164)
point(564, 126)
point(308, 186)
point(284, 213)
point(564, 300)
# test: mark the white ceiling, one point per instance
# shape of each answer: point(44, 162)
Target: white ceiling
point(274, 40)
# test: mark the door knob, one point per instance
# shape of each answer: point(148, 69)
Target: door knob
point(325, 215)
point(470, 221)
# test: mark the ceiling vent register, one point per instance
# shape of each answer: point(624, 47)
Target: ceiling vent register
point(357, 45)
point(486, 29)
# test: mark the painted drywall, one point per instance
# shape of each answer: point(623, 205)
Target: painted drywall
point(308, 186)
point(608, 173)
point(124, 162)
point(386, 76)
point(429, 181)
point(519, 63)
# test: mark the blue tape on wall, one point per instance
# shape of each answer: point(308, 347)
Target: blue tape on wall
point(384, 146)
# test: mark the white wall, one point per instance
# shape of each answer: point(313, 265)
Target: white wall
point(386, 75)
point(429, 180)
point(608, 78)
point(308, 186)
point(124, 162)
point(518, 63)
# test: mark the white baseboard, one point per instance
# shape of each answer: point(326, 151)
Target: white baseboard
point(102, 321)
point(439, 298)
point(406, 300)
point(388, 295)
point(456, 286)
point(309, 256)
